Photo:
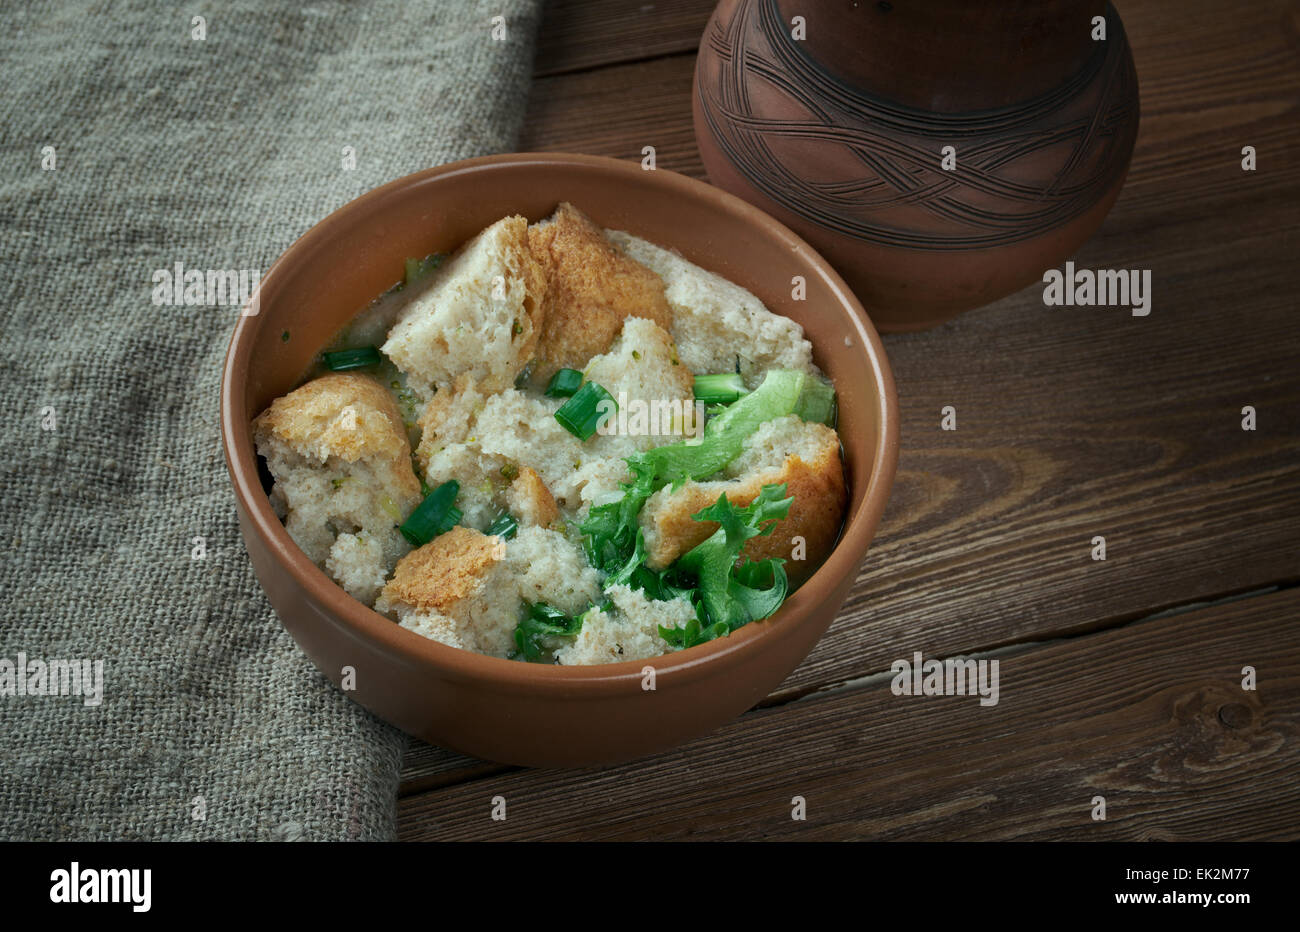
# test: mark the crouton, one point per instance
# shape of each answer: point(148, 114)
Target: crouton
point(446, 452)
point(524, 430)
point(443, 572)
point(530, 501)
point(629, 631)
point(473, 437)
point(449, 415)
point(641, 367)
point(469, 589)
point(718, 324)
point(591, 288)
point(344, 415)
point(480, 313)
point(435, 626)
point(803, 456)
point(643, 364)
point(457, 589)
point(338, 453)
point(600, 480)
point(357, 562)
point(641, 370)
point(480, 477)
point(548, 567)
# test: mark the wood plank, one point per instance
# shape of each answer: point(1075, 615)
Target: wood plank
point(574, 36)
point(1151, 716)
point(426, 768)
point(1072, 434)
point(617, 111)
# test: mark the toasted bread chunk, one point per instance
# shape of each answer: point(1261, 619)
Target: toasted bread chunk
point(470, 437)
point(524, 430)
point(642, 373)
point(591, 288)
point(530, 501)
point(803, 456)
point(458, 590)
point(449, 415)
point(718, 324)
point(469, 590)
point(602, 479)
point(357, 563)
point(339, 455)
point(643, 364)
point(342, 415)
point(446, 570)
point(480, 477)
point(480, 313)
point(435, 626)
point(447, 451)
point(548, 567)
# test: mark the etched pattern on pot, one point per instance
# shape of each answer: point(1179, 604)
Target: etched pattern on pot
point(869, 169)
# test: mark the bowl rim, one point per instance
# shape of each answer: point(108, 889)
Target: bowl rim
point(457, 664)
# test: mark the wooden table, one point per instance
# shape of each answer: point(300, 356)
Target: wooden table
point(1119, 678)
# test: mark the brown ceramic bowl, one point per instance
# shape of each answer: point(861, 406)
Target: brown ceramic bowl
point(505, 710)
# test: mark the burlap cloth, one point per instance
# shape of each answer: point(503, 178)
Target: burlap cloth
point(216, 153)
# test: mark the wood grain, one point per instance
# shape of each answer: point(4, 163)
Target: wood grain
point(1151, 716)
point(616, 112)
point(1072, 422)
point(575, 35)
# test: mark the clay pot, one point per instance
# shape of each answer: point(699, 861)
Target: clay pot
point(841, 134)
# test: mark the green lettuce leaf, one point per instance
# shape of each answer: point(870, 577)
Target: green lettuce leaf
point(610, 529)
point(730, 594)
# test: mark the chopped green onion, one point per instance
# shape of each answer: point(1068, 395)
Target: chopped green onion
point(436, 515)
point(720, 389)
point(581, 414)
point(338, 483)
point(539, 630)
point(816, 402)
point(564, 383)
point(359, 358)
point(505, 527)
point(510, 472)
point(542, 625)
